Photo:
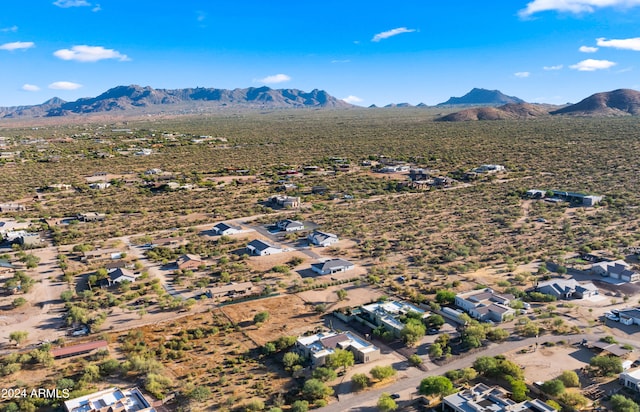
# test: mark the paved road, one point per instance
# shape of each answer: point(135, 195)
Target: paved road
point(408, 386)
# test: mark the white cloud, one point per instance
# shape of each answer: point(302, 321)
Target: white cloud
point(201, 16)
point(574, 6)
point(30, 87)
point(588, 49)
point(625, 44)
point(591, 65)
point(64, 86)
point(352, 99)
point(11, 29)
point(276, 78)
point(17, 45)
point(340, 61)
point(89, 54)
point(522, 75)
point(557, 67)
point(96, 8)
point(71, 3)
point(391, 33)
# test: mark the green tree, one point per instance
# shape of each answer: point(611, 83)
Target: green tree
point(497, 334)
point(386, 403)
point(314, 389)
point(435, 350)
point(415, 360)
point(434, 321)
point(435, 385)
point(621, 403)
point(382, 372)
point(606, 365)
point(570, 379)
point(485, 365)
point(17, 302)
point(261, 317)
point(518, 389)
point(553, 387)
point(413, 331)
point(18, 336)
point(342, 294)
point(360, 380)
point(255, 405)
point(324, 374)
point(290, 359)
point(200, 394)
point(445, 297)
point(300, 406)
point(340, 358)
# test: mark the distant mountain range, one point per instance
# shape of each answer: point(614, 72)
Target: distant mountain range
point(481, 97)
point(127, 98)
point(621, 102)
point(494, 105)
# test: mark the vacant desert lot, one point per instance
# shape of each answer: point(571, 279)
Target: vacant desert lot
point(288, 315)
point(547, 363)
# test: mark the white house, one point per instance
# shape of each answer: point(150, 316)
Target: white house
point(112, 399)
point(120, 275)
point(629, 316)
point(485, 304)
point(225, 229)
point(289, 225)
point(483, 398)
point(332, 266)
point(259, 247)
point(319, 238)
point(567, 288)
point(631, 379)
point(317, 347)
point(616, 269)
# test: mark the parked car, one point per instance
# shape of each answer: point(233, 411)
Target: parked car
point(433, 331)
point(613, 318)
point(395, 395)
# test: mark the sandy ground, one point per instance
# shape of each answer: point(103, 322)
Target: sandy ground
point(356, 296)
point(548, 363)
point(288, 315)
point(40, 317)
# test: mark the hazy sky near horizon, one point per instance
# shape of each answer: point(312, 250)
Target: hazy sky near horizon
point(367, 52)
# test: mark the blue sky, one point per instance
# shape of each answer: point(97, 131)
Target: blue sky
point(368, 52)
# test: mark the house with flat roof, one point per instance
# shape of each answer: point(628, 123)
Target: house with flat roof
point(332, 266)
point(317, 347)
point(232, 290)
point(259, 247)
point(100, 255)
point(387, 314)
point(486, 305)
point(576, 199)
point(616, 269)
point(91, 217)
point(289, 225)
point(110, 400)
point(631, 379)
point(483, 398)
point(225, 229)
point(287, 202)
point(567, 289)
point(320, 238)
